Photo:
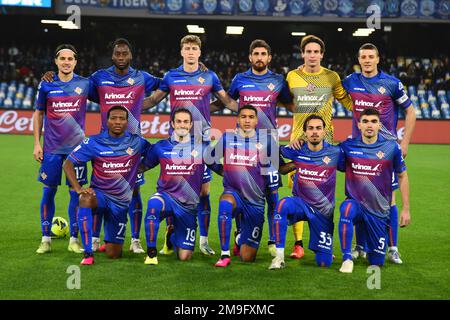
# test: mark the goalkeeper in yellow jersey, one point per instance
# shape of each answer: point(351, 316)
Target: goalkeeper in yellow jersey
point(313, 88)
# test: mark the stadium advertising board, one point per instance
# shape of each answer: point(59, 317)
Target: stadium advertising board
point(157, 126)
point(406, 9)
point(27, 3)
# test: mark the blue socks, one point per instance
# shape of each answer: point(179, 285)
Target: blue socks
point(393, 226)
point(152, 219)
point(204, 215)
point(272, 201)
point(224, 221)
point(135, 214)
point(73, 208)
point(347, 210)
point(85, 226)
point(47, 209)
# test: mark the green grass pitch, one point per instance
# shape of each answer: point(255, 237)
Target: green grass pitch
point(424, 245)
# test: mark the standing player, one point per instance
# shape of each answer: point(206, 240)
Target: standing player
point(189, 87)
point(62, 103)
point(250, 159)
point(313, 88)
point(262, 89)
point(115, 156)
point(375, 89)
point(370, 161)
point(178, 192)
point(120, 84)
point(313, 193)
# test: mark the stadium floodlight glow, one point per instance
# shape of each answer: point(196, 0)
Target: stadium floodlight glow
point(339, 29)
point(387, 28)
point(234, 30)
point(298, 34)
point(194, 28)
point(363, 32)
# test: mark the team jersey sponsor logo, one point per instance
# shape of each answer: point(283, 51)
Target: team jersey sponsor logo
point(312, 175)
point(43, 175)
point(235, 144)
point(239, 157)
point(65, 105)
point(380, 154)
point(248, 86)
point(130, 151)
point(304, 158)
point(271, 86)
point(369, 104)
point(106, 152)
point(356, 152)
point(180, 81)
point(56, 91)
point(381, 90)
point(181, 92)
point(130, 81)
point(78, 90)
point(116, 165)
point(367, 170)
point(170, 153)
point(119, 95)
point(310, 87)
point(180, 169)
point(107, 82)
point(308, 98)
point(86, 141)
point(258, 99)
point(326, 160)
point(359, 89)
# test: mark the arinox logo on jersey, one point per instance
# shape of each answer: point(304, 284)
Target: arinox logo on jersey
point(181, 92)
point(60, 104)
point(362, 103)
point(257, 99)
point(117, 165)
point(313, 173)
point(367, 170)
point(175, 169)
point(243, 158)
point(308, 98)
point(119, 95)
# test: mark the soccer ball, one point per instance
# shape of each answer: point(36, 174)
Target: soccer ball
point(60, 228)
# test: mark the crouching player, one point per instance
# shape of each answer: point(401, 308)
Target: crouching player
point(370, 161)
point(314, 193)
point(115, 156)
point(179, 186)
point(250, 158)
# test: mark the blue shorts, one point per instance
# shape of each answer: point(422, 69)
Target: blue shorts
point(50, 172)
point(184, 222)
point(320, 227)
point(373, 228)
point(252, 220)
point(207, 176)
point(394, 181)
point(115, 218)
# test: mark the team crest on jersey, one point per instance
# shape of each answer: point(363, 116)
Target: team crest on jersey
point(381, 90)
point(130, 151)
point(380, 154)
point(130, 81)
point(78, 90)
point(259, 146)
point(43, 176)
point(201, 80)
point(271, 86)
point(310, 87)
point(326, 159)
point(194, 153)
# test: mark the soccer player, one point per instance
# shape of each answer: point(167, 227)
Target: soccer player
point(188, 86)
point(250, 173)
point(369, 161)
point(115, 156)
point(313, 193)
point(179, 185)
point(313, 88)
point(262, 89)
point(123, 85)
point(373, 88)
point(62, 103)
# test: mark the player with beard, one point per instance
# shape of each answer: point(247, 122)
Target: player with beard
point(123, 85)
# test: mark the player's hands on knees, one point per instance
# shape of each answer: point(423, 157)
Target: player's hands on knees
point(87, 191)
point(48, 76)
point(38, 154)
point(296, 144)
point(405, 218)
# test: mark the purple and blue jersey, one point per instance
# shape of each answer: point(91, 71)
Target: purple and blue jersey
point(263, 92)
point(192, 91)
point(315, 175)
point(384, 93)
point(127, 90)
point(368, 172)
point(64, 104)
point(182, 168)
point(249, 165)
point(115, 163)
